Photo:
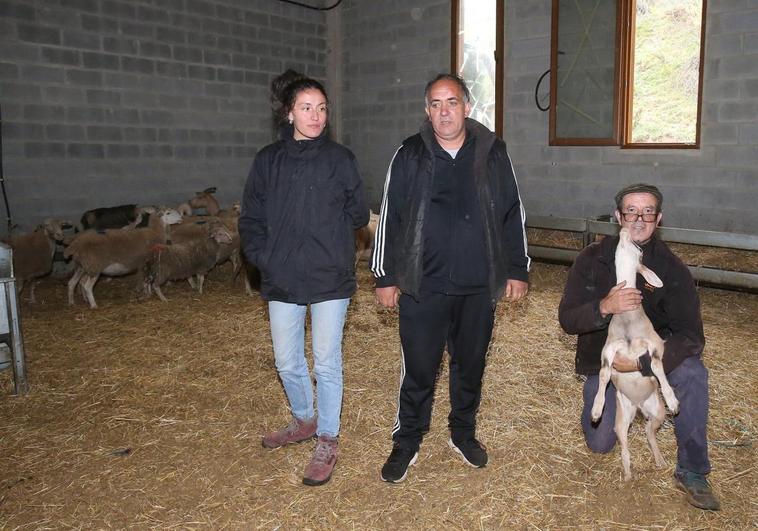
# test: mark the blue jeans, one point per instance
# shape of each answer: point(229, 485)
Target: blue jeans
point(288, 335)
point(690, 383)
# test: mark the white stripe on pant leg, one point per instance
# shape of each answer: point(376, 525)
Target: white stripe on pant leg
point(396, 427)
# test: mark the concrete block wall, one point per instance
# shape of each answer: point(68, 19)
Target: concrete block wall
point(390, 49)
point(107, 102)
point(713, 188)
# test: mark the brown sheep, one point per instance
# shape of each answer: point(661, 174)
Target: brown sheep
point(33, 253)
point(206, 200)
point(114, 252)
point(192, 258)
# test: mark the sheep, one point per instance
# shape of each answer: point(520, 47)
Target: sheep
point(632, 334)
point(114, 252)
point(364, 238)
point(184, 209)
point(195, 229)
point(114, 217)
point(33, 253)
point(195, 257)
point(206, 200)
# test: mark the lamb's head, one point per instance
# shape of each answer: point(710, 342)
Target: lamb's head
point(219, 233)
point(169, 216)
point(629, 262)
point(54, 228)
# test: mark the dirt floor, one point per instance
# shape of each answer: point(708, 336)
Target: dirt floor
point(148, 415)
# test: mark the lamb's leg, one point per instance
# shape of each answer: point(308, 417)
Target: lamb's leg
point(192, 283)
point(159, 293)
point(88, 283)
point(236, 265)
point(200, 282)
point(654, 412)
point(248, 287)
point(606, 358)
point(72, 282)
point(656, 364)
point(32, 284)
point(625, 412)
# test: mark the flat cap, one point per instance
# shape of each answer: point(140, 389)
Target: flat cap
point(639, 188)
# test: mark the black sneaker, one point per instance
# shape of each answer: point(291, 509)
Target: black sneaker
point(472, 451)
point(697, 490)
point(395, 469)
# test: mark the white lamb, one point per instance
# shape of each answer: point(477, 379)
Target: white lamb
point(632, 334)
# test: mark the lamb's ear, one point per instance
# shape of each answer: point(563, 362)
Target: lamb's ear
point(651, 277)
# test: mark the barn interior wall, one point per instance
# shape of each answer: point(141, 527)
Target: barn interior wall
point(390, 49)
point(106, 102)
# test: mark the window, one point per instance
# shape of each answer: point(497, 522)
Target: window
point(477, 27)
point(627, 73)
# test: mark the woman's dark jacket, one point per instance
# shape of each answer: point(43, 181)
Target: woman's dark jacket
point(398, 257)
point(674, 309)
point(302, 203)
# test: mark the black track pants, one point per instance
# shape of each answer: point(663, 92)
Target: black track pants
point(464, 323)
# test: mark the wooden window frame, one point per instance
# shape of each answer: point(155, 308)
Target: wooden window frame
point(499, 55)
point(623, 84)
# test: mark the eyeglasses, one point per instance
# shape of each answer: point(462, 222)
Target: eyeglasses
point(647, 217)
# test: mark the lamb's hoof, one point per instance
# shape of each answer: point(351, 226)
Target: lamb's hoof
point(595, 415)
point(674, 407)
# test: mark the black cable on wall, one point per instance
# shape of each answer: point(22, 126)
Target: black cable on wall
point(2, 178)
point(338, 2)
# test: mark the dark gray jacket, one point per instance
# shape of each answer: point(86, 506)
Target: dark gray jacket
point(302, 203)
point(399, 247)
point(674, 309)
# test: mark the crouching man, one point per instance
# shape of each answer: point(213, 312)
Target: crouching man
point(592, 297)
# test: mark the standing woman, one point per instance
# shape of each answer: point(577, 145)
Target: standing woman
point(302, 203)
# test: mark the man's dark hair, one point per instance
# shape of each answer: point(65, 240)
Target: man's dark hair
point(449, 77)
point(286, 86)
point(640, 188)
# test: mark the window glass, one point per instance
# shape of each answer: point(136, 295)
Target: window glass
point(585, 70)
point(477, 41)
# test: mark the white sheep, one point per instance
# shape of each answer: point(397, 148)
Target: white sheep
point(184, 209)
point(33, 253)
point(114, 252)
point(191, 258)
point(632, 335)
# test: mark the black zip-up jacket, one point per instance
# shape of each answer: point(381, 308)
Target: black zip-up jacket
point(302, 203)
point(398, 258)
point(674, 309)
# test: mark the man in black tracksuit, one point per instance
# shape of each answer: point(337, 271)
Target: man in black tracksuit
point(450, 243)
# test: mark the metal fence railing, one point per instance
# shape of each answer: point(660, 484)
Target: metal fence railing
point(709, 275)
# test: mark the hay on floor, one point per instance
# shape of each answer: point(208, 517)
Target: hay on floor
point(149, 415)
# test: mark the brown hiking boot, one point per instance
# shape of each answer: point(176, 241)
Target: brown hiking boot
point(319, 470)
point(297, 431)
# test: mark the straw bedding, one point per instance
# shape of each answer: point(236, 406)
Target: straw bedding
point(148, 415)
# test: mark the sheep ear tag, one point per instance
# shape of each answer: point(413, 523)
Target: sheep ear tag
point(651, 277)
